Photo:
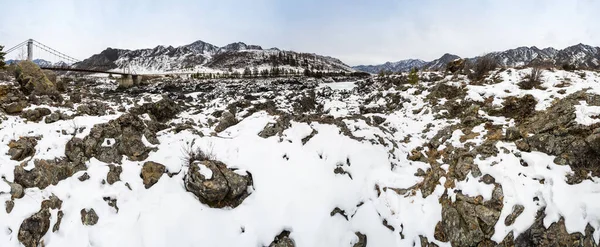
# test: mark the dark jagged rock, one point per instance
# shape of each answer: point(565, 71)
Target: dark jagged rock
point(151, 173)
point(469, 221)
point(22, 148)
point(89, 217)
point(362, 240)
point(93, 108)
point(227, 120)
point(84, 177)
point(9, 205)
point(127, 130)
point(56, 226)
point(35, 115)
point(46, 172)
point(53, 117)
point(224, 188)
point(555, 235)
point(34, 228)
point(283, 240)
point(516, 211)
point(162, 110)
point(512, 134)
point(555, 131)
point(114, 174)
point(15, 107)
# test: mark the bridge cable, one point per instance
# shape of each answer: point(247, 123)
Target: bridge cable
point(15, 47)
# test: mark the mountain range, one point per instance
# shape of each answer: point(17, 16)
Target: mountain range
point(203, 56)
point(39, 62)
point(579, 55)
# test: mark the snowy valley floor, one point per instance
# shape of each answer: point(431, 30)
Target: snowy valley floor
point(448, 162)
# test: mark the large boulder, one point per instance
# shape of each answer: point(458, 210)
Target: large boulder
point(456, 65)
point(33, 80)
point(227, 120)
point(216, 185)
point(151, 173)
point(34, 228)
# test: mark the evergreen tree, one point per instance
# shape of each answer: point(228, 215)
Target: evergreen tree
point(264, 73)
point(307, 72)
point(255, 72)
point(2, 64)
point(247, 72)
point(413, 77)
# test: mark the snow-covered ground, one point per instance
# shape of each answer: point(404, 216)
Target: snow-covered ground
point(295, 187)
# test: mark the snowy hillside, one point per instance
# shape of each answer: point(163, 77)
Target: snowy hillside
point(202, 57)
point(400, 66)
point(580, 56)
point(445, 162)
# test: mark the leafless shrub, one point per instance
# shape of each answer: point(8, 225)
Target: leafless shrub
point(191, 154)
point(532, 80)
point(482, 66)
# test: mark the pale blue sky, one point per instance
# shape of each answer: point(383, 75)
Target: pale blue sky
point(356, 31)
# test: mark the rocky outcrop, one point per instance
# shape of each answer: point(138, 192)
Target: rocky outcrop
point(555, 235)
point(469, 221)
point(35, 115)
point(22, 148)
point(33, 80)
point(151, 173)
point(46, 172)
point(162, 110)
point(12, 100)
point(93, 108)
point(127, 132)
point(216, 185)
point(556, 132)
point(35, 227)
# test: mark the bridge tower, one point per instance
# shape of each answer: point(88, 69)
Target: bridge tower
point(29, 49)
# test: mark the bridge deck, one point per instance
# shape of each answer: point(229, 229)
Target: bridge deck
point(84, 70)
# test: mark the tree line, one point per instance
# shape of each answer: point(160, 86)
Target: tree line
point(274, 72)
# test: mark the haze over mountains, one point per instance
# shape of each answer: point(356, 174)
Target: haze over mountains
point(203, 56)
point(579, 55)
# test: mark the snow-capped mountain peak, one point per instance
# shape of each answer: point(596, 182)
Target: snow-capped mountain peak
point(579, 55)
point(203, 56)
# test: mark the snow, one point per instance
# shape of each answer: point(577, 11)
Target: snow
point(108, 142)
point(584, 114)
point(298, 193)
point(348, 85)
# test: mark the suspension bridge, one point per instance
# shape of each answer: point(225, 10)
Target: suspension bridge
point(66, 63)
